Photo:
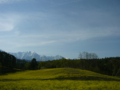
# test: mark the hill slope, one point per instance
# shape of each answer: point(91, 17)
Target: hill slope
point(58, 79)
point(57, 74)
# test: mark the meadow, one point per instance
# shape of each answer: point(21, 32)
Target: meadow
point(58, 79)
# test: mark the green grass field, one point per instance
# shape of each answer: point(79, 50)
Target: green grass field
point(58, 79)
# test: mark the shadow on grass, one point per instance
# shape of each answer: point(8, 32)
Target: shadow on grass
point(8, 71)
point(73, 78)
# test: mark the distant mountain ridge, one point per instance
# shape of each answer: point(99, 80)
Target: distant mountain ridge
point(2, 50)
point(30, 55)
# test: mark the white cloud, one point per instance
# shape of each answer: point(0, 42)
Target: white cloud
point(49, 32)
point(8, 1)
point(6, 26)
point(8, 21)
point(17, 33)
point(63, 37)
point(19, 44)
point(62, 2)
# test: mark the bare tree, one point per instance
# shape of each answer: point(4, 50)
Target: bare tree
point(80, 56)
point(86, 55)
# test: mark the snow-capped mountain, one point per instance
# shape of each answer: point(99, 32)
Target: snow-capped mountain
point(30, 55)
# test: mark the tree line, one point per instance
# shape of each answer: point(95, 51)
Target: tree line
point(108, 66)
point(87, 61)
point(7, 62)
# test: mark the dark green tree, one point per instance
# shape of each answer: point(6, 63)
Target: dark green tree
point(27, 66)
point(33, 64)
point(0, 67)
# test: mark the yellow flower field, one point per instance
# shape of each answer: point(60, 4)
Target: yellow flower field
point(58, 79)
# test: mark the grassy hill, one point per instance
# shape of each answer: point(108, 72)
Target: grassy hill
point(58, 79)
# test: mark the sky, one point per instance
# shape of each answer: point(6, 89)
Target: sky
point(61, 27)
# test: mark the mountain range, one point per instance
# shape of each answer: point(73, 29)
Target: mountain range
point(30, 55)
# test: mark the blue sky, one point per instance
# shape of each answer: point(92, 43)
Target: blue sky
point(61, 27)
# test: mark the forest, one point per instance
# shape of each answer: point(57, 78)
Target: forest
point(87, 61)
